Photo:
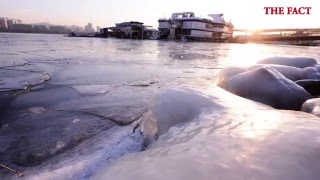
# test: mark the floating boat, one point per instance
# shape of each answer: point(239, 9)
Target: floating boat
point(186, 26)
point(133, 30)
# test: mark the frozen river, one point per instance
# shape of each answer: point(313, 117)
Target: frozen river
point(70, 106)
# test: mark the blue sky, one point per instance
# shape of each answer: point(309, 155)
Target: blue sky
point(243, 13)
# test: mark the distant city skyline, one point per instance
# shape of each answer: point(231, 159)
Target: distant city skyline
point(243, 14)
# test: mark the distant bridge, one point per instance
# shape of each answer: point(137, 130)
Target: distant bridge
point(284, 38)
point(309, 30)
point(292, 36)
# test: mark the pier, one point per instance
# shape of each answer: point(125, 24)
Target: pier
point(306, 36)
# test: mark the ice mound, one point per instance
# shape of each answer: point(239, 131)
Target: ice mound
point(228, 138)
point(173, 107)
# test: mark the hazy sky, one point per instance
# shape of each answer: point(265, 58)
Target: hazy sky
point(243, 13)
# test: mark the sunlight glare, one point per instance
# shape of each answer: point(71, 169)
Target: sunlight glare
point(245, 54)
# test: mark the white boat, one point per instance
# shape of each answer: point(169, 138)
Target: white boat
point(186, 26)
